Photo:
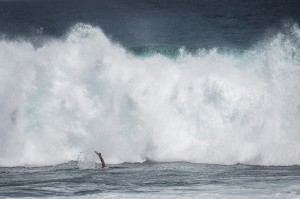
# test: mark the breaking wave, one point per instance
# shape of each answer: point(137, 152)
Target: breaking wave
point(84, 93)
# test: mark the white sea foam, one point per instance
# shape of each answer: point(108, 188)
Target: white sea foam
point(85, 93)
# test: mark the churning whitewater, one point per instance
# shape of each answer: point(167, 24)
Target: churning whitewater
point(84, 92)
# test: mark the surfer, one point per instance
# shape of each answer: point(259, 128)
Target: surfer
point(101, 159)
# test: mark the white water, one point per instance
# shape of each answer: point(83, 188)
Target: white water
point(85, 93)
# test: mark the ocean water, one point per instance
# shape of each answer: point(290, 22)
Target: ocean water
point(185, 99)
point(151, 180)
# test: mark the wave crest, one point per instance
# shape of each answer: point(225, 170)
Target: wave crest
point(85, 92)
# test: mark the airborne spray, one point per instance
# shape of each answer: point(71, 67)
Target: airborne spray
point(210, 107)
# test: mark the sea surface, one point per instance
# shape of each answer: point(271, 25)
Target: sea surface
point(183, 98)
point(151, 180)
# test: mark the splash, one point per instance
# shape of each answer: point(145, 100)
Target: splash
point(84, 91)
point(86, 161)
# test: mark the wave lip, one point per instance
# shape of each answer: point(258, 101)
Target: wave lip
point(85, 93)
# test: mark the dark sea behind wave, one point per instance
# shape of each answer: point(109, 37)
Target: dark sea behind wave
point(132, 23)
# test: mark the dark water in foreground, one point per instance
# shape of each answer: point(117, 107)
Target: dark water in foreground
point(161, 180)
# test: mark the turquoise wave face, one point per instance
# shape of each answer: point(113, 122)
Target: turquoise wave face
point(84, 93)
point(165, 50)
point(174, 52)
